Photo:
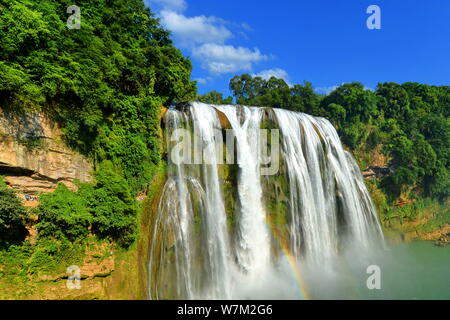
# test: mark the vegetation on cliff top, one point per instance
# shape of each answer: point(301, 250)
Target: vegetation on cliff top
point(104, 84)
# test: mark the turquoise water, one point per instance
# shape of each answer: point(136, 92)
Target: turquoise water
point(418, 270)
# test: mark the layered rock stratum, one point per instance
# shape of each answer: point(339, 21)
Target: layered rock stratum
point(33, 156)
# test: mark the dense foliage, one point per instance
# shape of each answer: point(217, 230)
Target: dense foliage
point(104, 82)
point(214, 97)
point(63, 214)
point(12, 217)
point(411, 121)
point(112, 206)
point(106, 208)
point(274, 92)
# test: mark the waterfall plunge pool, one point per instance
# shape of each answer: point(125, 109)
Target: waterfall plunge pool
point(408, 271)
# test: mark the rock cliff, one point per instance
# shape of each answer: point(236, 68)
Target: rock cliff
point(33, 157)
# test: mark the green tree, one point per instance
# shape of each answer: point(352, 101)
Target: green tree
point(214, 97)
point(359, 103)
point(394, 100)
point(305, 99)
point(12, 217)
point(275, 93)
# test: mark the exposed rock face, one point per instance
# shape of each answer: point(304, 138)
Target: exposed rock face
point(377, 172)
point(33, 157)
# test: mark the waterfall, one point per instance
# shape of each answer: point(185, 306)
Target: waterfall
point(326, 188)
point(225, 230)
point(252, 245)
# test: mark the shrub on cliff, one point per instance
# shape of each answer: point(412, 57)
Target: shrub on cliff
point(106, 209)
point(12, 217)
point(63, 214)
point(112, 206)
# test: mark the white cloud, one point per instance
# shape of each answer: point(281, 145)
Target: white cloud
point(172, 5)
point(276, 72)
point(326, 90)
point(203, 80)
point(206, 38)
point(246, 26)
point(195, 30)
point(221, 59)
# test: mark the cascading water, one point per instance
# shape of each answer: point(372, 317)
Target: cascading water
point(252, 245)
point(214, 218)
point(326, 189)
point(216, 235)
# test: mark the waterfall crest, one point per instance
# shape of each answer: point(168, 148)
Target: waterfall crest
point(223, 230)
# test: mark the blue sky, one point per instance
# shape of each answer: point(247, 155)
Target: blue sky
point(325, 42)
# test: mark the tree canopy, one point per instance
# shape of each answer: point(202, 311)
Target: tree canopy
point(103, 82)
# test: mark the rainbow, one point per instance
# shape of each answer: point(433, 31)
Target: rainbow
point(292, 260)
